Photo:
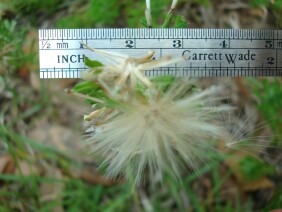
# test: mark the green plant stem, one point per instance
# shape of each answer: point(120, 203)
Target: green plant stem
point(168, 18)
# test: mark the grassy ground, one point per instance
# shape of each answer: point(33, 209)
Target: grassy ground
point(43, 167)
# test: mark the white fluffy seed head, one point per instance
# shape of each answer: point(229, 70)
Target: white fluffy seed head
point(162, 133)
point(152, 131)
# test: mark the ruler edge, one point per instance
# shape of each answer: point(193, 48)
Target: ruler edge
point(170, 32)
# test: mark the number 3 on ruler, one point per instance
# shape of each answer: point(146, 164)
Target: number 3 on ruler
point(176, 43)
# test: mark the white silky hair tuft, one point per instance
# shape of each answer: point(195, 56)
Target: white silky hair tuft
point(155, 130)
point(164, 134)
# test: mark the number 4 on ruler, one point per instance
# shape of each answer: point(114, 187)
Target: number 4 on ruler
point(224, 44)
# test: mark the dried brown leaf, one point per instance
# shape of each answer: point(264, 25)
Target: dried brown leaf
point(96, 178)
point(7, 164)
point(50, 192)
point(26, 169)
point(56, 136)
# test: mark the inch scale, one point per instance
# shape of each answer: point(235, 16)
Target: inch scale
point(205, 52)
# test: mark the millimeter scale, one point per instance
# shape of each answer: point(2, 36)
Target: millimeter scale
point(204, 52)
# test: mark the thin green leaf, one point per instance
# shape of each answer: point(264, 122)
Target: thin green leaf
point(144, 22)
point(163, 82)
point(92, 63)
point(180, 22)
point(86, 87)
point(253, 169)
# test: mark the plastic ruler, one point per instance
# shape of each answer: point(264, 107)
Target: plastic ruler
point(206, 52)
